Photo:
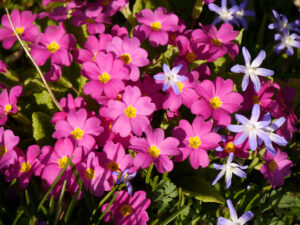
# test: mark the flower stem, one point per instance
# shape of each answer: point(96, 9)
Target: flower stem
point(34, 63)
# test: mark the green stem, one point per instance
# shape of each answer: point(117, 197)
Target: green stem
point(149, 173)
point(175, 214)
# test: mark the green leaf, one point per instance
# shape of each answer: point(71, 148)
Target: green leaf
point(59, 204)
point(146, 4)
point(261, 33)
point(71, 206)
point(42, 128)
point(196, 187)
point(239, 38)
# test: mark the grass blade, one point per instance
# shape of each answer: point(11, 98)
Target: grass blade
point(107, 207)
point(175, 214)
point(59, 204)
point(71, 206)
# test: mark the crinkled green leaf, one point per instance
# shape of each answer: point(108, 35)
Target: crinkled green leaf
point(42, 128)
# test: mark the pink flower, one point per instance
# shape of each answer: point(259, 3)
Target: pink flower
point(54, 74)
point(54, 44)
point(217, 101)
point(195, 140)
point(156, 25)
point(215, 43)
point(276, 167)
point(113, 6)
point(129, 51)
point(92, 47)
point(263, 97)
point(26, 166)
point(155, 148)
point(185, 50)
point(130, 114)
point(121, 32)
point(55, 160)
point(94, 176)
point(8, 142)
point(3, 67)
point(128, 210)
point(23, 23)
point(93, 17)
point(105, 76)
point(79, 128)
point(8, 102)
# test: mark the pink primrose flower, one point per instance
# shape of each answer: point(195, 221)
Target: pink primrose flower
point(3, 67)
point(79, 127)
point(92, 47)
point(217, 101)
point(55, 160)
point(105, 76)
point(130, 114)
point(93, 175)
point(54, 44)
point(54, 74)
point(113, 6)
point(118, 31)
point(213, 43)
point(185, 50)
point(23, 23)
point(276, 167)
point(8, 102)
point(156, 25)
point(128, 210)
point(93, 17)
point(129, 51)
point(8, 142)
point(196, 140)
point(155, 148)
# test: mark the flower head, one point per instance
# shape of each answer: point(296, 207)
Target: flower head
point(288, 41)
point(228, 169)
point(226, 15)
point(242, 12)
point(282, 23)
point(252, 70)
point(170, 78)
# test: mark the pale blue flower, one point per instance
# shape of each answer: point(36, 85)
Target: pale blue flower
point(234, 218)
point(288, 41)
point(170, 78)
point(252, 70)
point(125, 178)
point(228, 169)
point(241, 13)
point(251, 129)
point(226, 15)
point(282, 23)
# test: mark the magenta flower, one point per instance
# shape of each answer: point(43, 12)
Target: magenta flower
point(121, 32)
point(195, 140)
point(215, 43)
point(156, 25)
point(105, 76)
point(217, 100)
point(93, 17)
point(128, 210)
point(94, 176)
point(130, 114)
point(3, 67)
point(129, 51)
point(79, 128)
point(54, 44)
point(23, 23)
point(92, 47)
point(185, 49)
point(8, 102)
point(26, 166)
point(8, 142)
point(55, 160)
point(276, 167)
point(155, 148)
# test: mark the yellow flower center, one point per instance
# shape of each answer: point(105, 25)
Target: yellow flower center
point(53, 47)
point(90, 20)
point(130, 112)
point(255, 99)
point(180, 86)
point(272, 165)
point(89, 174)
point(217, 42)
point(94, 57)
point(3, 150)
point(19, 30)
point(105, 2)
point(7, 108)
point(154, 151)
point(25, 167)
point(113, 166)
point(104, 77)
point(126, 58)
point(215, 102)
point(77, 133)
point(229, 147)
point(156, 25)
point(62, 162)
point(126, 210)
point(190, 57)
point(195, 142)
